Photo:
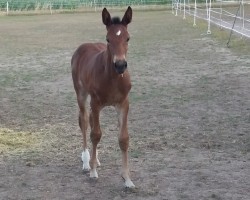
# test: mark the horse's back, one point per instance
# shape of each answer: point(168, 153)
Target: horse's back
point(85, 52)
point(83, 64)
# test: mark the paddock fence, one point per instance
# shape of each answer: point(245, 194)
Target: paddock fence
point(233, 15)
point(16, 6)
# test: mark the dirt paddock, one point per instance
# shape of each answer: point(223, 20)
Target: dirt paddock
point(189, 117)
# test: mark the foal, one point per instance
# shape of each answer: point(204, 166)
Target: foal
point(100, 70)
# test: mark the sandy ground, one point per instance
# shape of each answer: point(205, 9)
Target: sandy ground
point(189, 114)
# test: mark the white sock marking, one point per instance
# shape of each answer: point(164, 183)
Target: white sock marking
point(85, 160)
point(93, 173)
point(129, 184)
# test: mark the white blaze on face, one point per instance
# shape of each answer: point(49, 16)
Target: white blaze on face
point(116, 58)
point(118, 33)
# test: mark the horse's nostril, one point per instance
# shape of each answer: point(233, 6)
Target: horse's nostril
point(125, 64)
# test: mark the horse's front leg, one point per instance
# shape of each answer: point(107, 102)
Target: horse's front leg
point(95, 136)
point(122, 111)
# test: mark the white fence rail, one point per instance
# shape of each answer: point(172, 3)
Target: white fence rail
point(232, 15)
point(8, 6)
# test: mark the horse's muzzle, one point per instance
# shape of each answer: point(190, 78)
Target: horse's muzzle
point(120, 66)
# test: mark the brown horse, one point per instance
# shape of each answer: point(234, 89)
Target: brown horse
point(100, 70)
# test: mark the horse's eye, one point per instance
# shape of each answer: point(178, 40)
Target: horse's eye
point(128, 39)
point(107, 40)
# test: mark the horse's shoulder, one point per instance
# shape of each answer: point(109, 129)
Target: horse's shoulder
point(92, 47)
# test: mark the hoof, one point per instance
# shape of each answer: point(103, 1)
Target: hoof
point(129, 184)
point(127, 181)
point(93, 174)
point(85, 167)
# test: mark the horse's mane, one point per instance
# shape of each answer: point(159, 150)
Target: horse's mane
point(116, 20)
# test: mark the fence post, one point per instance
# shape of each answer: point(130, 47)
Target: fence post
point(176, 8)
point(184, 9)
point(7, 8)
point(172, 6)
point(195, 10)
point(243, 14)
point(50, 8)
point(209, 18)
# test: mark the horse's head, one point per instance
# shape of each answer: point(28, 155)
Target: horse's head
point(117, 38)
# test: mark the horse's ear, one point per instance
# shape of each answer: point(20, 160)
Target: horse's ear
point(106, 18)
point(127, 18)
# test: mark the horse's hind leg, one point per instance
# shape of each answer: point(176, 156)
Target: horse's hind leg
point(83, 123)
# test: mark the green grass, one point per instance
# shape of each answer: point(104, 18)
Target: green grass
point(16, 141)
point(238, 44)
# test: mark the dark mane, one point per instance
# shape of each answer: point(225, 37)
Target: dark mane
point(116, 20)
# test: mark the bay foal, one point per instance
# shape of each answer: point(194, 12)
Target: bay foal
point(100, 70)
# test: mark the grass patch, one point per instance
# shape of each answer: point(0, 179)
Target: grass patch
point(14, 141)
point(238, 44)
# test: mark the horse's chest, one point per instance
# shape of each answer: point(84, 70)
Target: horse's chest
point(117, 95)
point(112, 94)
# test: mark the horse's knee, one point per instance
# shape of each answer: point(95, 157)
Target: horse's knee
point(95, 136)
point(124, 142)
point(83, 120)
